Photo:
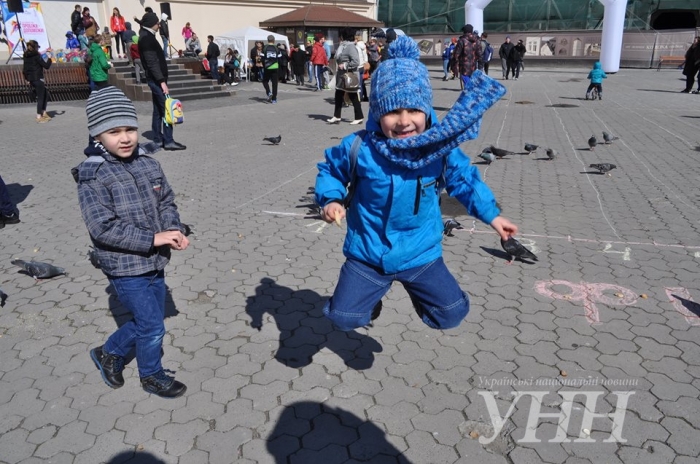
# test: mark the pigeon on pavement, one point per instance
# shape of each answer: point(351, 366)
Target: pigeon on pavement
point(592, 142)
point(273, 140)
point(3, 297)
point(500, 152)
point(39, 270)
point(551, 153)
point(603, 168)
point(488, 157)
point(529, 148)
point(516, 250)
point(451, 225)
point(609, 138)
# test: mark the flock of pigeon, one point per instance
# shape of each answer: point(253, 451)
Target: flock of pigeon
point(492, 153)
point(512, 247)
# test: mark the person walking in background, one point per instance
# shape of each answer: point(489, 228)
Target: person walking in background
point(129, 211)
point(372, 54)
point(136, 60)
point(326, 70)
point(364, 65)
point(212, 56)
point(307, 59)
point(9, 214)
point(467, 55)
point(156, 70)
point(690, 67)
point(446, 56)
point(165, 35)
point(106, 41)
point(486, 53)
point(128, 37)
point(319, 60)
point(76, 21)
point(271, 61)
point(256, 57)
point(33, 70)
point(298, 59)
point(118, 25)
point(283, 70)
point(518, 54)
point(504, 54)
point(348, 61)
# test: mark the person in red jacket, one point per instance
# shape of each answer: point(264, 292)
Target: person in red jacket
point(319, 60)
point(118, 25)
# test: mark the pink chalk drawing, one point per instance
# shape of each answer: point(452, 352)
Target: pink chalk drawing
point(589, 294)
point(674, 293)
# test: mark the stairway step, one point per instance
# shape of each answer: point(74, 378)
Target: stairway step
point(201, 96)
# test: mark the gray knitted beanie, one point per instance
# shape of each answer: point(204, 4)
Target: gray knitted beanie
point(108, 108)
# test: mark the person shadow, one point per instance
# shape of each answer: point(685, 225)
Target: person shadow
point(18, 192)
point(303, 328)
point(121, 315)
point(316, 433)
point(134, 457)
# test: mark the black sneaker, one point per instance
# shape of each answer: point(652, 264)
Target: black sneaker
point(377, 310)
point(9, 219)
point(163, 385)
point(110, 367)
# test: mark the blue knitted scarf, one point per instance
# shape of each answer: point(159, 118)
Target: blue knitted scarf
point(461, 123)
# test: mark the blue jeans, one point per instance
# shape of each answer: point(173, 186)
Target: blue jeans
point(6, 206)
point(214, 68)
point(165, 46)
point(161, 132)
point(318, 73)
point(310, 71)
point(445, 67)
point(441, 303)
point(144, 297)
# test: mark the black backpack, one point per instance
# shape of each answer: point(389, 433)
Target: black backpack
point(270, 55)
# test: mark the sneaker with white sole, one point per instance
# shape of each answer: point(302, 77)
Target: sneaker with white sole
point(357, 121)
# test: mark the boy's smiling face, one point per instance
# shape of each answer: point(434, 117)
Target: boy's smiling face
point(119, 141)
point(403, 123)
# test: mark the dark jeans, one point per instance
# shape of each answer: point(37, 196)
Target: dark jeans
point(161, 132)
point(144, 297)
point(510, 68)
point(271, 75)
point(486, 69)
point(689, 81)
point(318, 75)
point(7, 207)
point(119, 38)
point(340, 97)
point(42, 96)
point(214, 69)
point(442, 303)
point(517, 65)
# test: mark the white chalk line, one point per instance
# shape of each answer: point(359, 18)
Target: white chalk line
point(588, 177)
point(651, 174)
point(274, 189)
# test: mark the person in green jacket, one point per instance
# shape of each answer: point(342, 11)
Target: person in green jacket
point(99, 65)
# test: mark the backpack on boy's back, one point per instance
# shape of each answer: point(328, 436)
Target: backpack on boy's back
point(488, 52)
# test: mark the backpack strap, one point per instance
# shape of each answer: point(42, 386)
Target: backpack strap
point(354, 152)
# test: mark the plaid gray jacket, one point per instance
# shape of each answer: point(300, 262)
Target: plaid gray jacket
point(124, 204)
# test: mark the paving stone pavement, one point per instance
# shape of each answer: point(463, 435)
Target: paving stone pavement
point(604, 323)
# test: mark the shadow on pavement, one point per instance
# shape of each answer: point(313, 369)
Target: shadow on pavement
point(135, 457)
point(691, 306)
point(315, 433)
point(19, 192)
point(659, 90)
point(304, 330)
point(502, 254)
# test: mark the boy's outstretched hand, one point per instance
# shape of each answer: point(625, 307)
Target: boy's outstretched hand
point(172, 238)
point(333, 211)
point(504, 227)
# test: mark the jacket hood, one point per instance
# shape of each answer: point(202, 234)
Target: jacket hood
point(95, 46)
point(597, 65)
point(95, 148)
point(127, 25)
point(470, 37)
point(69, 34)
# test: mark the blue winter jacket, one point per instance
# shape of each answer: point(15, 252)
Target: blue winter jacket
point(597, 74)
point(394, 220)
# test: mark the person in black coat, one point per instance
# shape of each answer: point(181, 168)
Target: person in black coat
point(283, 70)
point(298, 58)
point(34, 66)
point(690, 67)
point(212, 56)
point(76, 20)
point(156, 70)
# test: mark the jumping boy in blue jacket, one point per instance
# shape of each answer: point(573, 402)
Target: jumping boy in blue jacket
point(405, 158)
point(129, 210)
point(596, 76)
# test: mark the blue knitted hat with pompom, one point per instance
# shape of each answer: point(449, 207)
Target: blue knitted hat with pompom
point(402, 81)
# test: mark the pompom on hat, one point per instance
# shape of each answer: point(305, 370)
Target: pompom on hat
point(401, 81)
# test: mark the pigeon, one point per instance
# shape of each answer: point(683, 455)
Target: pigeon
point(609, 138)
point(188, 229)
point(516, 250)
point(451, 225)
point(39, 270)
point(603, 168)
point(592, 142)
point(488, 157)
point(529, 148)
point(92, 256)
point(499, 152)
point(551, 153)
point(273, 140)
point(3, 298)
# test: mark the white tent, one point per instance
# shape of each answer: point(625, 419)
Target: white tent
point(244, 40)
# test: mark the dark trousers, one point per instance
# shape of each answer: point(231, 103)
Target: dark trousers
point(119, 38)
point(161, 132)
point(689, 81)
point(486, 69)
point(271, 75)
point(340, 96)
point(510, 68)
point(214, 69)
point(518, 65)
point(7, 207)
point(42, 96)
point(595, 86)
